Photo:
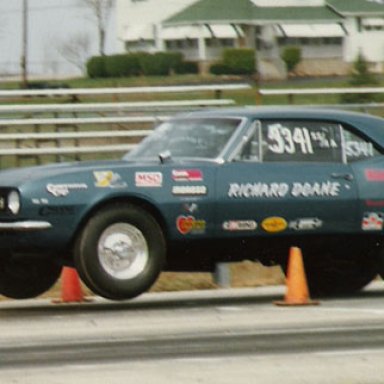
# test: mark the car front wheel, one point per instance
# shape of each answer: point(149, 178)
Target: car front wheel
point(27, 278)
point(120, 252)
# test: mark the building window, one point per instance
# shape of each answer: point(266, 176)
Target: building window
point(309, 41)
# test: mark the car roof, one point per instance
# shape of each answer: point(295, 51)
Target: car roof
point(370, 126)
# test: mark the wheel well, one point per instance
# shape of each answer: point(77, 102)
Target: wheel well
point(147, 206)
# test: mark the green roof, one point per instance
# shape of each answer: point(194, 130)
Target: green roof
point(357, 7)
point(244, 11)
point(214, 10)
point(295, 14)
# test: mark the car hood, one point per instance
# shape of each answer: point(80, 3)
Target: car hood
point(18, 176)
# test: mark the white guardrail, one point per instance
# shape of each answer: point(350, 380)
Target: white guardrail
point(35, 130)
point(290, 93)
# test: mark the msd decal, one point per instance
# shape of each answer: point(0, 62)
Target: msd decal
point(148, 179)
point(187, 175)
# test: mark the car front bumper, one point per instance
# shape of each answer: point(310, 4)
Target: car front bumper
point(27, 225)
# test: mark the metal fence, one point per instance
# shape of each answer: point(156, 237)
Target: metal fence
point(29, 130)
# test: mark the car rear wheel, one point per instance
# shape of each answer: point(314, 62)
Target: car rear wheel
point(120, 252)
point(337, 268)
point(27, 278)
point(342, 273)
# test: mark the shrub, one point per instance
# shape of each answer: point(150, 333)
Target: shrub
point(360, 77)
point(122, 65)
point(137, 63)
point(160, 63)
point(235, 61)
point(291, 57)
point(220, 69)
point(187, 67)
point(96, 67)
point(241, 61)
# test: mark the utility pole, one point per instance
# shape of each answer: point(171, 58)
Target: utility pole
point(24, 69)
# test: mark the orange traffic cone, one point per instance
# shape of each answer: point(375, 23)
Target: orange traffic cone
point(297, 288)
point(71, 291)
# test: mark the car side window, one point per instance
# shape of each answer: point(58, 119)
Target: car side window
point(301, 140)
point(356, 147)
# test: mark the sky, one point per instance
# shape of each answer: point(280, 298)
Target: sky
point(51, 23)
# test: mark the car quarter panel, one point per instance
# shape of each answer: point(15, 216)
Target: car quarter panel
point(370, 179)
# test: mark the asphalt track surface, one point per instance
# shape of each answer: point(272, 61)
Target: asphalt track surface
point(220, 336)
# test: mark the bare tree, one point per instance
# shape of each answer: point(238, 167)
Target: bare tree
point(76, 49)
point(24, 55)
point(101, 10)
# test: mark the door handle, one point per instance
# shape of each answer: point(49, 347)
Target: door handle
point(344, 176)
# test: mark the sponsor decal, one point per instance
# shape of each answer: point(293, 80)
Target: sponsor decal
point(189, 224)
point(61, 190)
point(305, 224)
point(148, 179)
point(280, 190)
point(239, 225)
point(193, 190)
point(187, 175)
point(190, 207)
point(53, 210)
point(274, 224)
point(374, 174)
point(372, 221)
point(357, 149)
point(374, 203)
point(108, 179)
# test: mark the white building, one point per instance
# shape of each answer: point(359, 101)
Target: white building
point(330, 33)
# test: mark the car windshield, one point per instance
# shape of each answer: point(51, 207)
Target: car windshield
point(197, 137)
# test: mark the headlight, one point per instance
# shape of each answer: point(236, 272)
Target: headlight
point(13, 202)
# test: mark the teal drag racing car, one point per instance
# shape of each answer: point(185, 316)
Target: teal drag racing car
point(204, 187)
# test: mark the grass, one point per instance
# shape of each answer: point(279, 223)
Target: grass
point(243, 97)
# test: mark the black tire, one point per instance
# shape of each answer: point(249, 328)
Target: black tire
point(120, 252)
point(339, 269)
point(27, 278)
point(338, 274)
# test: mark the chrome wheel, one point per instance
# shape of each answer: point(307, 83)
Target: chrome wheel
point(120, 252)
point(123, 251)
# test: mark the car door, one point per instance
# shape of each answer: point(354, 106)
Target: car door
point(291, 176)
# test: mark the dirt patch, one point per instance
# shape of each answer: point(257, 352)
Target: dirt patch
point(245, 274)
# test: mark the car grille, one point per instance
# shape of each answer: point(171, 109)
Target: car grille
point(3, 201)
point(4, 192)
